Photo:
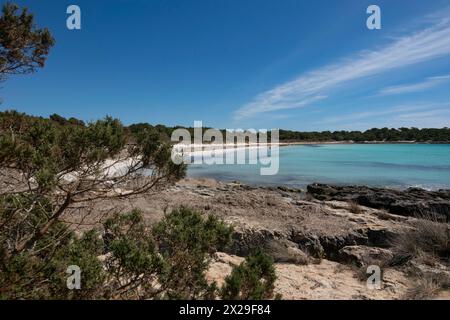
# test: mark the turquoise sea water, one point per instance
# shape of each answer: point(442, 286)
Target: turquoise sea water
point(384, 165)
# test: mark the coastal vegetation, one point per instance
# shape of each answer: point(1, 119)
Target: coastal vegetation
point(56, 177)
point(371, 135)
point(55, 181)
point(424, 135)
point(24, 47)
point(244, 282)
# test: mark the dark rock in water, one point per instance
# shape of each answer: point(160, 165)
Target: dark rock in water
point(411, 202)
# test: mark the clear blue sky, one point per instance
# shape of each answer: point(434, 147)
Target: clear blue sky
point(304, 65)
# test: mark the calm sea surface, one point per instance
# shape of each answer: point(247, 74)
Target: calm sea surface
point(385, 165)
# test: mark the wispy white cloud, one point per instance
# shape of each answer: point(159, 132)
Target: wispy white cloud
point(415, 87)
point(421, 114)
point(357, 116)
point(423, 45)
point(432, 120)
point(437, 113)
point(283, 103)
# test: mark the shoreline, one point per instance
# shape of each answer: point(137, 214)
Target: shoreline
point(362, 142)
point(294, 143)
point(203, 148)
point(407, 202)
point(113, 168)
point(303, 187)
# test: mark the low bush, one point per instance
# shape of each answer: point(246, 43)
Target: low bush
point(355, 208)
point(424, 288)
point(253, 279)
point(130, 260)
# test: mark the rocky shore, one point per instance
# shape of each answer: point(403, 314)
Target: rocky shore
point(411, 202)
point(322, 240)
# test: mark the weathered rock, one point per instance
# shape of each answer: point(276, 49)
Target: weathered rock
point(309, 243)
point(380, 237)
point(248, 240)
point(411, 202)
point(363, 255)
point(285, 251)
point(327, 246)
point(437, 271)
point(333, 244)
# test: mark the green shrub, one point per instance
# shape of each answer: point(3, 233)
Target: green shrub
point(187, 242)
point(253, 279)
point(129, 260)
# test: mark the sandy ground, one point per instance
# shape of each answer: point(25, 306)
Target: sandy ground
point(326, 280)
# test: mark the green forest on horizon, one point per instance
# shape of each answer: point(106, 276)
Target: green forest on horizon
point(425, 135)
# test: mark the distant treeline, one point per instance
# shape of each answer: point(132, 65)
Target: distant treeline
point(372, 135)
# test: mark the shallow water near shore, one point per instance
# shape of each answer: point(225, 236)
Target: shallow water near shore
point(382, 165)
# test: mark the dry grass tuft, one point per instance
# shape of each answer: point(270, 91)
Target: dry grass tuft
point(308, 197)
point(427, 237)
point(424, 288)
point(427, 243)
point(355, 208)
